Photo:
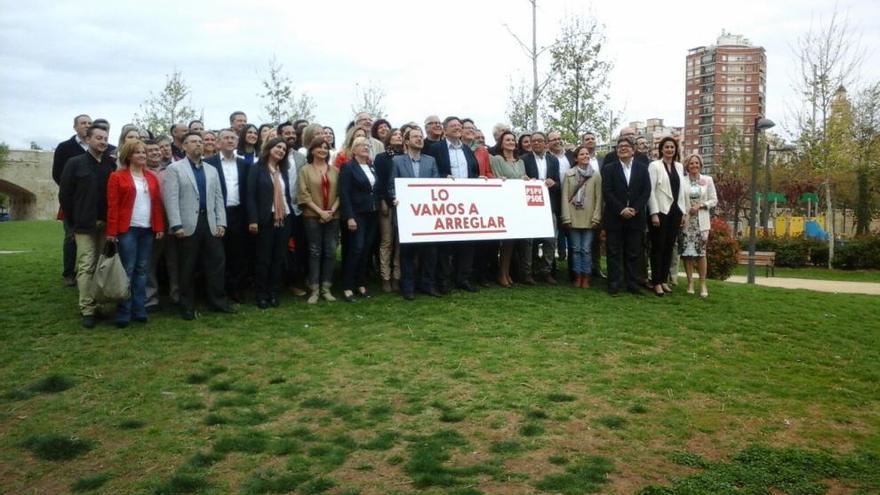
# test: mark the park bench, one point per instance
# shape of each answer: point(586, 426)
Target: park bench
point(767, 259)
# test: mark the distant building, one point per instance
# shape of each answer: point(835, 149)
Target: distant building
point(653, 130)
point(725, 86)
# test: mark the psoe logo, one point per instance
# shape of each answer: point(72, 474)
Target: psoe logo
point(534, 196)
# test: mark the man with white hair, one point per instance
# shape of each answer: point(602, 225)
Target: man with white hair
point(364, 121)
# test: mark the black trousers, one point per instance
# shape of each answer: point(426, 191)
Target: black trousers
point(357, 260)
point(205, 248)
point(455, 262)
point(423, 255)
point(234, 246)
point(68, 251)
point(270, 253)
point(486, 261)
point(595, 253)
point(662, 243)
point(622, 247)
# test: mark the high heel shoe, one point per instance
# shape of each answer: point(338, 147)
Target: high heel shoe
point(690, 288)
point(666, 288)
point(704, 293)
point(658, 290)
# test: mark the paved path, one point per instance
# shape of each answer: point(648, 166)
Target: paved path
point(870, 288)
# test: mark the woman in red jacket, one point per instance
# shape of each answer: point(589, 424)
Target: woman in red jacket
point(134, 218)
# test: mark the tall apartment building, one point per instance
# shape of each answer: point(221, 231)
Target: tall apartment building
point(725, 86)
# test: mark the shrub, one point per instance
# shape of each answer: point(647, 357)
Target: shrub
point(858, 253)
point(722, 250)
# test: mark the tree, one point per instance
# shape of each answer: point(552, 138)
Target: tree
point(35, 146)
point(829, 58)
point(731, 180)
point(280, 101)
point(866, 148)
point(520, 110)
point(537, 87)
point(170, 106)
point(369, 100)
point(577, 94)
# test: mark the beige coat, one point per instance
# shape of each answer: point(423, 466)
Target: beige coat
point(591, 213)
point(309, 189)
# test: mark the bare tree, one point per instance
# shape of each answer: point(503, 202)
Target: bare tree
point(866, 147)
point(369, 99)
point(280, 101)
point(829, 57)
point(171, 105)
point(533, 52)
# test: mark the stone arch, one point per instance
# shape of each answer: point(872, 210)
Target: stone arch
point(22, 202)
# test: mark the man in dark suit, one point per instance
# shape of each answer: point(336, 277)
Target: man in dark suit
point(626, 187)
point(455, 160)
point(233, 174)
point(414, 164)
point(543, 166)
point(611, 157)
point(66, 150)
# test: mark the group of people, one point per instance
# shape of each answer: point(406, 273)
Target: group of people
point(250, 207)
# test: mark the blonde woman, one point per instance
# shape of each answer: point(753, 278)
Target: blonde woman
point(345, 153)
point(700, 197)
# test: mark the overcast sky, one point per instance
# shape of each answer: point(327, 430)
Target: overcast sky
point(103, 58)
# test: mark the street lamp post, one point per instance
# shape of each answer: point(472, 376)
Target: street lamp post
point(761, 125)
point(765, 211)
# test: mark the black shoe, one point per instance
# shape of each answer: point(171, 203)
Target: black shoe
point(263, 304)
point(467, 286)
point(409, 296)
point(153, 308)
point(228, 309)
point(363, 295)
point(88, 321)
point(432, 292)
point(121, 324)
point(140, 319)
point(274, 302)
point(351, 298)
point(188, 315)
point(636, 291)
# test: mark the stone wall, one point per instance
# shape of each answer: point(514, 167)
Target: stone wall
point(26, 178)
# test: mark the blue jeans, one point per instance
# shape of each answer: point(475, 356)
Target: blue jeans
point(580, 246)
point(135, 247)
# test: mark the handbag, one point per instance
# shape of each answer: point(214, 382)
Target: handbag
point(110, 282)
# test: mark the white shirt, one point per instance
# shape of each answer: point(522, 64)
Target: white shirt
point(457, 162)
point(82, 144)
point(563, 164)
point(369, 173)
point(230, 176)
point(594, 164)
point(627, 170)
point(140, 215)
point(541, 162)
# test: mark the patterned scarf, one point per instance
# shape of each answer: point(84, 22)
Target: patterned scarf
point(583, 174)
point(278, 193)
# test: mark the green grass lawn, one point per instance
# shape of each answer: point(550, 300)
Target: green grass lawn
point(816, 273)
point(509, 391)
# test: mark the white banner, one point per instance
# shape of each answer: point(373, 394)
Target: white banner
point(442, 210)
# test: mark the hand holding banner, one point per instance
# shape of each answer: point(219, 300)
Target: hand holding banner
point(443, 210)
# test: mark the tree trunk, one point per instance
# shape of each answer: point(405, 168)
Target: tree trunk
point(736, 211)
point(829, 222)
point(863, 205)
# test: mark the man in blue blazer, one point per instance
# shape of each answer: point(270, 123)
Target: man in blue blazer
point(626, 187)
point(413, 164)
point(543, 166)
point(233, 172)
point(455, 160)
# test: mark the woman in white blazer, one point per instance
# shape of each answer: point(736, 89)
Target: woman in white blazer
point(666, 207)
point(700, 197)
